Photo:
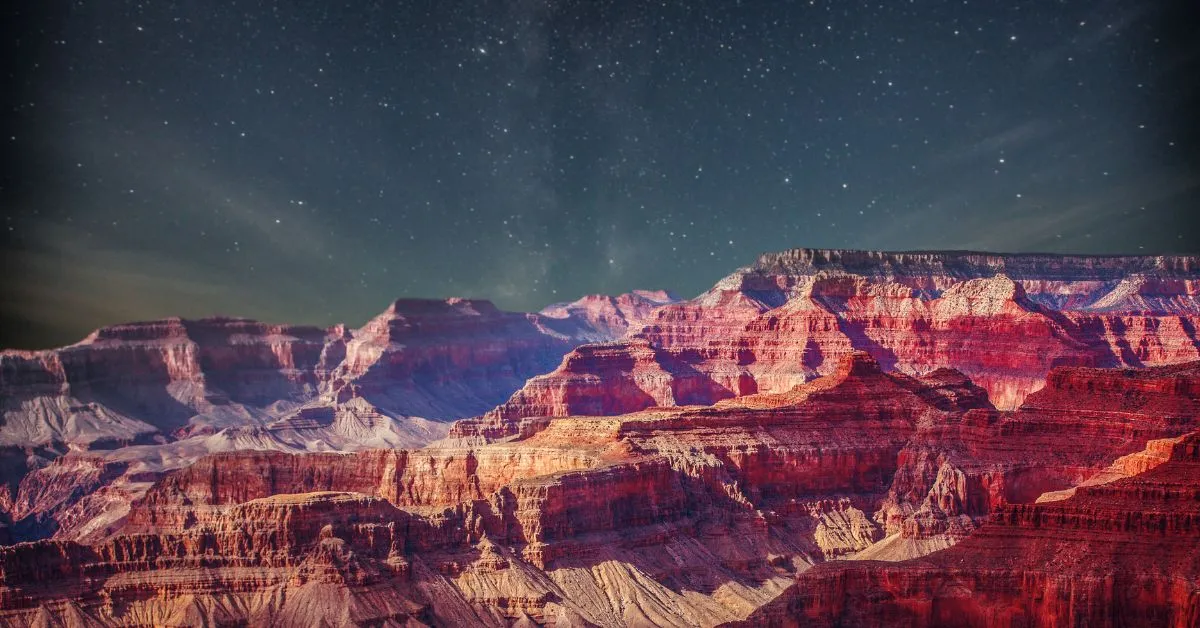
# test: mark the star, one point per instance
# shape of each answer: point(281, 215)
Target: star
point(635, 140)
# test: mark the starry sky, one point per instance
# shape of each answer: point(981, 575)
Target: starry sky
point(308, 162)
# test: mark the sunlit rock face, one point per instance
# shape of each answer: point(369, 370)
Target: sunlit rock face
point(713, 511)
point(164, 380)
point(1115, 552)
point(1003, 320)
point(131, 401)
point(823, 438)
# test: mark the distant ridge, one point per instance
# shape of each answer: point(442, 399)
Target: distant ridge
point(1104, 267)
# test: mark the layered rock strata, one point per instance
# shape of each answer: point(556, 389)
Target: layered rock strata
point(143, 398)
point(685, 466)
point(1118, 553)
point(1003, 320)
point(674, 516)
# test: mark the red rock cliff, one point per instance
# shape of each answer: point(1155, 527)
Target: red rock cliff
point(1117, 554)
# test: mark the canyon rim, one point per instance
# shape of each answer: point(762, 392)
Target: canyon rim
point(824, 437)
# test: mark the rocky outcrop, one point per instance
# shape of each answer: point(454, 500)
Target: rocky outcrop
point(605, 380)
point(149, 397)
point(605, 317)
point(816, 407)
point(1120, 553)
point(952, 476)
point(1003, 320)
point(59, 498)
point(444, 359)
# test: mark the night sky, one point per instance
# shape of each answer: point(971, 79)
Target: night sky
point(304, 162)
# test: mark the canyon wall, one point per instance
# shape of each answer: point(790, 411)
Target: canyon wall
point(950, 438)
point(1003, 320)
point(1119, 553)
point(672, 516)
point(148, 397)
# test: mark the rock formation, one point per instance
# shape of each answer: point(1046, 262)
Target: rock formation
point(148, 397)
point(605, 317)
point(1015, 435)
point(1003, 320)
point(165, 380)
point(1117, 553)
point(671, 516)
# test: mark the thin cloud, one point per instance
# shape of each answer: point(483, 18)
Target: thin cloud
point(1009, 140)
point(1092, 33)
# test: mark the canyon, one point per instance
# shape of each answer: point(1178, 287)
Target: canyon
point(825, 437)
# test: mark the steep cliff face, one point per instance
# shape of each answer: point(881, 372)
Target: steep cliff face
point(949, 477)
point(816, 407)
point(297, 553)
point(1122, 553)
point(1044, 274)
point(609, 379)
point(434, 477)
point(667, 516)
point(164, 380)
point(60, 497)
point(149, 397)
point(1003, 320)
point(670, 516)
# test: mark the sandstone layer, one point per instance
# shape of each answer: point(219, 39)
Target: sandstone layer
point(945, 435)
point(1003, 320)
point(86, 428)
point(1117, 553)
point(673, 516)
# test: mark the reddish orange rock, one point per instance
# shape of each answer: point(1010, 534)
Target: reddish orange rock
point(162, 380)
point(1122, 553)
point(1004, 321)
point(703, 510)
point(815, 407)
point(149, 397)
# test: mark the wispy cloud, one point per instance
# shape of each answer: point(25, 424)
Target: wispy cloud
point(84, 266)
point(1069, 227)
point(1109, 20)
point(68, 281)
point(1008, 140)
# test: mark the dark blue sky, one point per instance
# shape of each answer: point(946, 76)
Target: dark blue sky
point(307, 162)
